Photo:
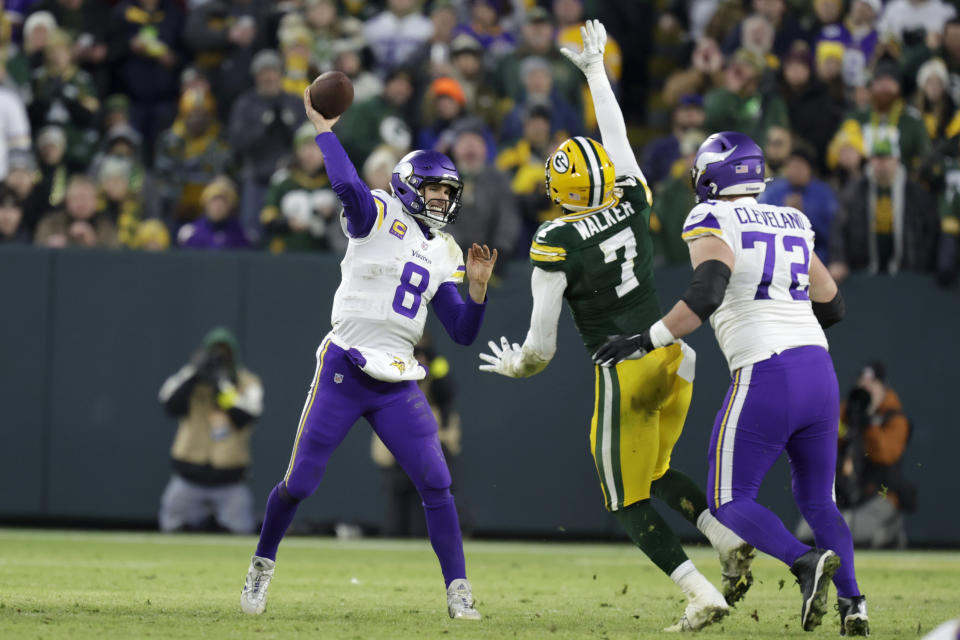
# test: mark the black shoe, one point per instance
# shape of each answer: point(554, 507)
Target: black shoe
point(813, 570)
point(853, 616)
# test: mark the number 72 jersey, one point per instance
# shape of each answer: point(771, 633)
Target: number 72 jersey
point(766, 308)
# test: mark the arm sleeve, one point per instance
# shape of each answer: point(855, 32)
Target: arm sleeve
point(461, 318)
point(175, 392)
point(541, 343)
point(360, 208)
point(613, 131)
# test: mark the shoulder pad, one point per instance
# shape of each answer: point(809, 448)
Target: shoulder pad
point(704, 219)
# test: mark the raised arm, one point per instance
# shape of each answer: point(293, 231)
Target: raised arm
point(613, 130)
point(359, 207)
point(540, 346)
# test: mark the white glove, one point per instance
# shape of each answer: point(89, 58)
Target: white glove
point(594, 37)
point(506, 359)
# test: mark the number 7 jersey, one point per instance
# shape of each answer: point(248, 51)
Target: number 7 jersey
point(766, 308)
point(607, 256)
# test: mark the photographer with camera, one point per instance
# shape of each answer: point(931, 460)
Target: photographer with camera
point(216, 401)
point(871, 491)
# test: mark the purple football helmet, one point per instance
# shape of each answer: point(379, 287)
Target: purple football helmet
point(419, 168)
point(727, 163)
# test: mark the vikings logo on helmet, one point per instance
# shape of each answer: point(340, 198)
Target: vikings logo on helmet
point(727, 163)
point(420, 168)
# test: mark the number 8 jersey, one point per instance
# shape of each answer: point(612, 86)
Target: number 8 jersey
point(607, 256)
point(766, 308)
point(388, 278)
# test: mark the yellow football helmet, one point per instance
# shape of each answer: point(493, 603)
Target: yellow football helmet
point(580, 175)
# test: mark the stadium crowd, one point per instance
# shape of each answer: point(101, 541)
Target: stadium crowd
point(149, 124)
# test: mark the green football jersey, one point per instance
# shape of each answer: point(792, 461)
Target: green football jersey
point(607, 256)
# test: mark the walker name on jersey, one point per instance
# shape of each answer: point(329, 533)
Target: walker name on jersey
point(603, 220)
point(778, 219)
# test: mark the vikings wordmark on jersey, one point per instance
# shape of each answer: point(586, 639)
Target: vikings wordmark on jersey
point(388, 279)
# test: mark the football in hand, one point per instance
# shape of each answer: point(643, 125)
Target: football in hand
point(331, 93)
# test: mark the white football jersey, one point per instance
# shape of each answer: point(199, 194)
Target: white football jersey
point(766, 308)
point(387, 279)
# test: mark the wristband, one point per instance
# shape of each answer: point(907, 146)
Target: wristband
point(660, 336)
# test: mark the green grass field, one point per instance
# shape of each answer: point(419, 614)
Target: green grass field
point(76, 585)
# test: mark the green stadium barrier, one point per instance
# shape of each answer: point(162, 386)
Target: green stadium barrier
point(89, 336)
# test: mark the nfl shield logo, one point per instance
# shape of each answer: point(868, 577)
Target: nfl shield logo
point(338, 378)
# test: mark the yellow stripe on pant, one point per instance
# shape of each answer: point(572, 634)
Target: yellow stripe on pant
point(306, 410)
point(639, 410)
point(723, 427)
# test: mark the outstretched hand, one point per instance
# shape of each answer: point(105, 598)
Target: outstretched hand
point(321, 124)
point(505, 359)
point(594, 37)
point(480, 261)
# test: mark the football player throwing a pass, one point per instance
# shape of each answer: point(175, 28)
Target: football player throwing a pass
point(768, 298)
point(397, 262)
point(598, 255)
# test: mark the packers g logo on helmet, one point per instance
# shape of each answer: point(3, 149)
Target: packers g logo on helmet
point(580, 175)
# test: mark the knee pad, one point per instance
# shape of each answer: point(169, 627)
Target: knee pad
point(435, 497)
point(284, 494)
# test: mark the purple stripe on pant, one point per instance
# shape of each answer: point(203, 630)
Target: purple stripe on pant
point(788, 402)
point(401, 416)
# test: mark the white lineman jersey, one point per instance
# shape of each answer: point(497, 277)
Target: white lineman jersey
point(387, 279)
point(766, 308)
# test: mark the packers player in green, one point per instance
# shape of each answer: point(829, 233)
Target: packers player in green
point(598, 256)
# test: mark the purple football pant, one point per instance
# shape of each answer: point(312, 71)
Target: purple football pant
point(788, 402)
point(401, 416)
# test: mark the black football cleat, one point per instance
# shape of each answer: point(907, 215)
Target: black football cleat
point(853, 616)
point(813, 570)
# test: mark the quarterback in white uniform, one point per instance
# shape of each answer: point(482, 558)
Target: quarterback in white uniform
point(768, 297)
point(397, 262)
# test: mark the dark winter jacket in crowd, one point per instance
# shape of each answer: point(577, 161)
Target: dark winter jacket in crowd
point(142, 77)
point(916, 227)
point(261, 132)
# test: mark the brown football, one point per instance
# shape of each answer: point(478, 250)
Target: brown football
point(331, 93)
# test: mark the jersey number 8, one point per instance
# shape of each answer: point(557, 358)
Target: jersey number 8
point(413, 281)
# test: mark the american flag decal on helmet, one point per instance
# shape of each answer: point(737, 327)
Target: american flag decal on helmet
point(741, 168)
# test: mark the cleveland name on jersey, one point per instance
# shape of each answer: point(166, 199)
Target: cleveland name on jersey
point(388, 278)
point(606, 255)
point(766, 308)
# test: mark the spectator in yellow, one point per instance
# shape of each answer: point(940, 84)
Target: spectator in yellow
point(151, 235)
point(524, 162)
point(569, 18)
point(117, 201)
point(296, 42)
point(189, 155)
